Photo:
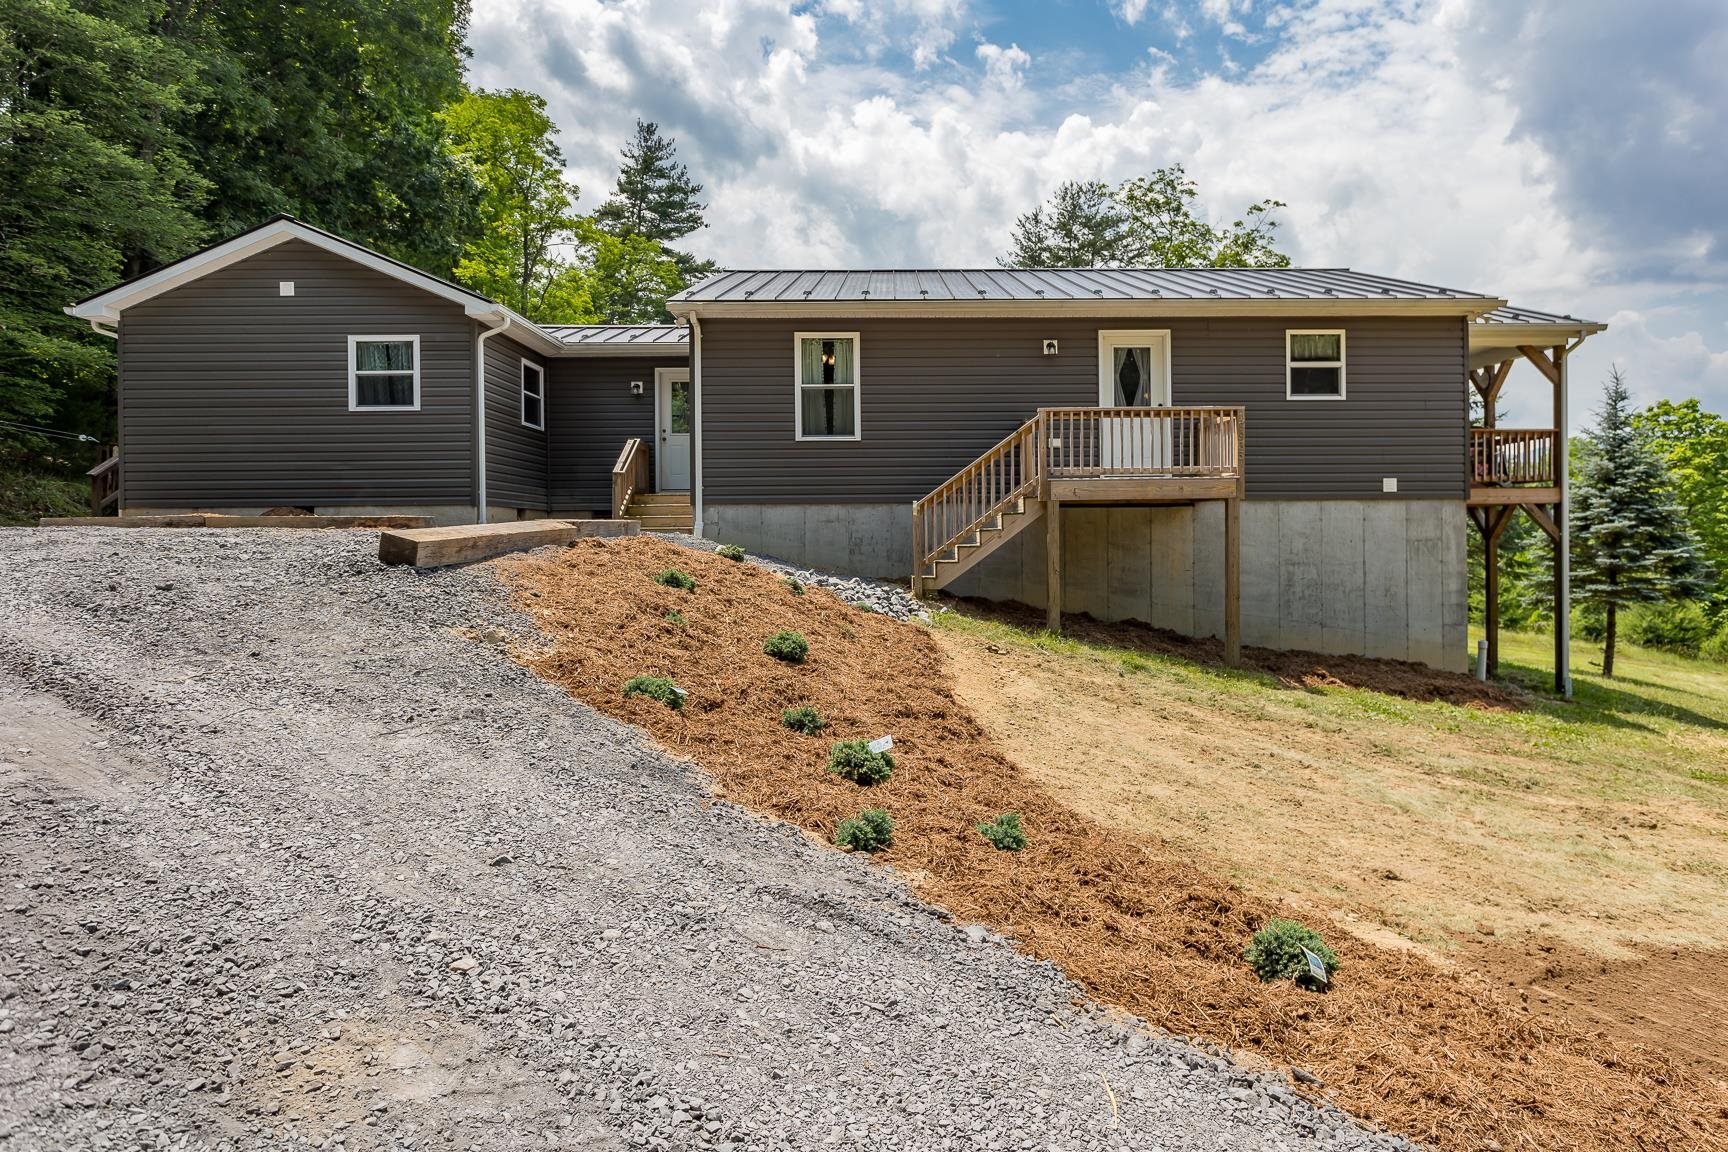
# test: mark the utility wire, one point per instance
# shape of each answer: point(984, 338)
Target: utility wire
point(40, 431)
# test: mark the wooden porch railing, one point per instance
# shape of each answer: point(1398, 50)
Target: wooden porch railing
point(1512, 456)
point(629, 475)
point(105, 483)
point(1079, 443)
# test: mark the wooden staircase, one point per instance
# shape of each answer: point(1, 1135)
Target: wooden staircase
point(662, 511)
point(982, 507)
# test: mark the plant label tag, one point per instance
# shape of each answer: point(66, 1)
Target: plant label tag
point(680, 691)
point(1316, 966)
point(881, 744)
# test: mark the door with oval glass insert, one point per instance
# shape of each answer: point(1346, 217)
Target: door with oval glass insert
point(1133, 372)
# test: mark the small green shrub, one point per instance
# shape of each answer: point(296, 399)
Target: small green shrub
point(796, 585)
point(870, 608)
point(656, 688)
point(852, 760)
point(803, 719)
point(1680, 627)
point(788, 646)
point(871, 829)
point(675, 617)
point(730, 551)
point(673, 578)
point(1275, 953)
point(1004, 832)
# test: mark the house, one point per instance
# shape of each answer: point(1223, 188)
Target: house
point(1282, 457)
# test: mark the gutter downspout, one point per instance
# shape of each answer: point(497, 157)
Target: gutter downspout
point(480, 418)
point(696, 424)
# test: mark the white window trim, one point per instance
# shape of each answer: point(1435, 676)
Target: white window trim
point(1290, 365)
point(522, 385)
point(354, 374)
point(798, 339)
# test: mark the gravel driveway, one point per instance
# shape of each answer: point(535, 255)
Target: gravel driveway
point(290, 863)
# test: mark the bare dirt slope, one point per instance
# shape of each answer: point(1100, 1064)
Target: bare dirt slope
point(1141, 923)
point(294, 862)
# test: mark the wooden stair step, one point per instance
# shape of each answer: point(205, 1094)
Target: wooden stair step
point(661, 498)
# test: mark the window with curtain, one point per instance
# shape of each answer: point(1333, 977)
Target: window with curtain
point(533, 395)
point(1314, 365)
point(383, 372)
point(827, 370)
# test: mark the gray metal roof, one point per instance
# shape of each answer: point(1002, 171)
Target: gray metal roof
point(669, 336)
point(1062, 284)
point(1510, 315)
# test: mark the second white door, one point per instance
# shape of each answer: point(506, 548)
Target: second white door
point(1133, 372)
point(672, 418)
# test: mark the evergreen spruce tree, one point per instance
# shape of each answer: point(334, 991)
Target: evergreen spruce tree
point(655, 198)
point(1631, 543)
point(1081, 227)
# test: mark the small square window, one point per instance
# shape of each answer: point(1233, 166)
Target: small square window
point(383, 373)
point(826, 371)
point(533, 395)
point(1314, 365)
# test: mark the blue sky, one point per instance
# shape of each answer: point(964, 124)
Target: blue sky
point(1568, 154)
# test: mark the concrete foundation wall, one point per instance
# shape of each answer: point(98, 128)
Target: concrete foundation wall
point(440, 514)
point(1379, 578)
point(857, 539)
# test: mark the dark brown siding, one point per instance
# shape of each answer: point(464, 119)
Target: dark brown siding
point(515, 454)
point(937, 393)
point(235, 395)
point(592, 414)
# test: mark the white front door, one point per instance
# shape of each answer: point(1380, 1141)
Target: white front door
point(672, 418)
point(1134, 372)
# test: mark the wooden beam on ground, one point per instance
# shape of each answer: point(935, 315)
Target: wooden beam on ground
point(1053, 565)
point(466, 543)
point(1233, 583)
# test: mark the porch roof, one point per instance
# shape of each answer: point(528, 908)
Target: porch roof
point(1498, 335)
point(621, 339)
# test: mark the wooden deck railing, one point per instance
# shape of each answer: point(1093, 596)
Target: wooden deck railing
point(1073, 443)
point(629, 475)
point(105, 483)
point(1512, 456)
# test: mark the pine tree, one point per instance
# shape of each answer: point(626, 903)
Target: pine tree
point(1081, 227)
point(1631, 543)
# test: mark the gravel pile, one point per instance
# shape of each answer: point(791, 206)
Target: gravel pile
point(298, 858)
point(877, 595)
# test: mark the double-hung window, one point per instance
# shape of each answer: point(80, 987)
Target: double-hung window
point(383, 373)
point(825, 368)
point(533, 395)
point(1314, 365)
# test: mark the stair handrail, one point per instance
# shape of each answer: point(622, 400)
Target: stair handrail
point(105, 482)
point(629, 476)
point(977, 494)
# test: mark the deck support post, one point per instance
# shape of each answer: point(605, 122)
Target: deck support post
point(1562, 546)
point(1233, 583)
point(1053, 565)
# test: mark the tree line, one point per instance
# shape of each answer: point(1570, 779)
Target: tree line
point(133, 132)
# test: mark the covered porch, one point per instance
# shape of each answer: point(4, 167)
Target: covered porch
point(1522, 469)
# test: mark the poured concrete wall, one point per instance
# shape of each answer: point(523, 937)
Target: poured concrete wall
point(1376, 577)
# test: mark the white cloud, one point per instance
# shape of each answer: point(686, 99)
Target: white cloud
point(1130, 11)
point(1372, 120)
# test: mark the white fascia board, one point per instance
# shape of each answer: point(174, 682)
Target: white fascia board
point(1103, 309)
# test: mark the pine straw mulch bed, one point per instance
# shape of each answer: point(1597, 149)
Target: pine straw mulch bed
point(1435, 1054)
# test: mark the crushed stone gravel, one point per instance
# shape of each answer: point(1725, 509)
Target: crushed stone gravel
point(298, 858)
point(882, 596)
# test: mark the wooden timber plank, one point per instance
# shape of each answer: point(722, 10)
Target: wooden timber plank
point(466, 543)
point(1482, 497)
point(1142, 490)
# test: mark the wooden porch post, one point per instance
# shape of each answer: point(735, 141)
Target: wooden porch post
point(1233, 582)
point(1562, 546)
point(1053, 565)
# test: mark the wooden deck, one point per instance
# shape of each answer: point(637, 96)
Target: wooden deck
point(1512, 466)
point(1083, 456)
